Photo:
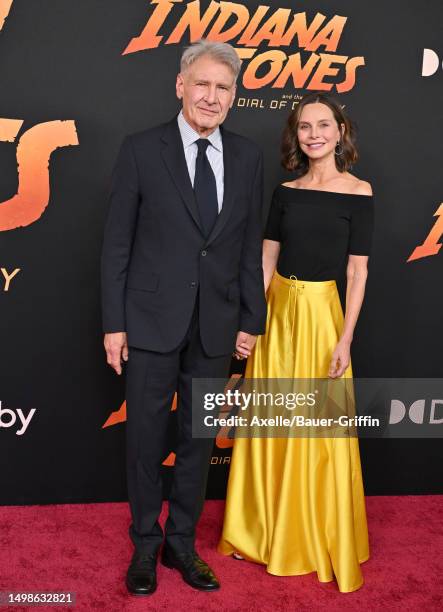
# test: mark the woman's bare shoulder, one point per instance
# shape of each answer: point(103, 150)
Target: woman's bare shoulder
point(363, 188)
point(360, 187)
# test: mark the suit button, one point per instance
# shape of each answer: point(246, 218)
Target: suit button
point(204, 253)
point(193, 285)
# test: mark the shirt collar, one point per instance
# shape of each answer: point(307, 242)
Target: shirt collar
point(189, 135)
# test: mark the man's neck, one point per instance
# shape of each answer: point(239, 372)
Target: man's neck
point(201, 131)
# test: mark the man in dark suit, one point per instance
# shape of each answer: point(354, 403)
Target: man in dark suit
point(182, 288)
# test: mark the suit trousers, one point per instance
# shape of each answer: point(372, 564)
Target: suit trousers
point(152, 379)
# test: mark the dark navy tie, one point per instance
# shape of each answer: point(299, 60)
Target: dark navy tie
point(205, 188)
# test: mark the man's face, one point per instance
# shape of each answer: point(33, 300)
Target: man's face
point(207, 90)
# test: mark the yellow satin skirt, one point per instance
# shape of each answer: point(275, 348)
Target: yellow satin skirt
point(297, 505)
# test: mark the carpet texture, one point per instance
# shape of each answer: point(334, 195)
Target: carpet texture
point(85, 548)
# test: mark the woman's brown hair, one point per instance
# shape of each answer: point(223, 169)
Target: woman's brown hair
point(293, 158)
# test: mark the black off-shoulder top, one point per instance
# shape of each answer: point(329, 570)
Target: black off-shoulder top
point(318, 230)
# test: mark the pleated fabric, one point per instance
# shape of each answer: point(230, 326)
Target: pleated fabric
point(297, 505)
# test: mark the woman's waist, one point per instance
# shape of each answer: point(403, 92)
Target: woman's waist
point(308, 285)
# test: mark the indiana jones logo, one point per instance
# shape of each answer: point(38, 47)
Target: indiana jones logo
point(247, 30)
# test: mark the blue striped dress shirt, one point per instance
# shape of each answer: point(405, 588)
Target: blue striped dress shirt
point(214, 153)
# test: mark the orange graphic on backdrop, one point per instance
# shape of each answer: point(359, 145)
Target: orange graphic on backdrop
point(5, 7)
point(34, 150)
point(119, 416)
point(222, 440)
point(431, 246)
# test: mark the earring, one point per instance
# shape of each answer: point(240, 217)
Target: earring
point(339, 152)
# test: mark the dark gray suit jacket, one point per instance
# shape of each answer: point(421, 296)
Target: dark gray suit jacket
point(156, 260)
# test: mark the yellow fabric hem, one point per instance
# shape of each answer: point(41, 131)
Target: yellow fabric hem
point(333, 579)
point(227, 551)
point(223, 550)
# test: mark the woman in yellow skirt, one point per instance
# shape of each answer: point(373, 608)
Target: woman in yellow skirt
point(296, 504)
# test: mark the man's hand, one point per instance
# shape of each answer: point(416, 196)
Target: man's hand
point(244, 345)
point(116, 347)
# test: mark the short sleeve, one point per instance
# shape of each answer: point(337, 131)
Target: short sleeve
point(272, 231)
point(362, 225)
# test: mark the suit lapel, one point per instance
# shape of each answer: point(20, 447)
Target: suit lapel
point(229, 160)
point(174, 158)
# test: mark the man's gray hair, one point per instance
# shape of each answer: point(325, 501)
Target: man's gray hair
point(218, 51)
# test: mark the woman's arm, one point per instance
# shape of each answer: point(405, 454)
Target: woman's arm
point(271, 251)
point(356, 275)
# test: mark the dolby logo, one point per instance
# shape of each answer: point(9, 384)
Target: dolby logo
point(415, 412)
point(16, 419)
point(431, 63)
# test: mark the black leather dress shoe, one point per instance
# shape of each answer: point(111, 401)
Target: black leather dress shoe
point(194, 570)
point(141, 578)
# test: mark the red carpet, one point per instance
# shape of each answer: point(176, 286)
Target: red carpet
point(85, 548)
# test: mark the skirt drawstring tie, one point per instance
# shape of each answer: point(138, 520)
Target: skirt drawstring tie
point(294, 288)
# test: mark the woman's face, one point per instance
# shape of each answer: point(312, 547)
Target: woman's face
point(317, 131)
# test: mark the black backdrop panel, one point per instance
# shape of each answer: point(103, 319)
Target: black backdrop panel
point(73, 95)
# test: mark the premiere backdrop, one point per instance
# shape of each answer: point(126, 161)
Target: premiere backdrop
point(75, 78)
